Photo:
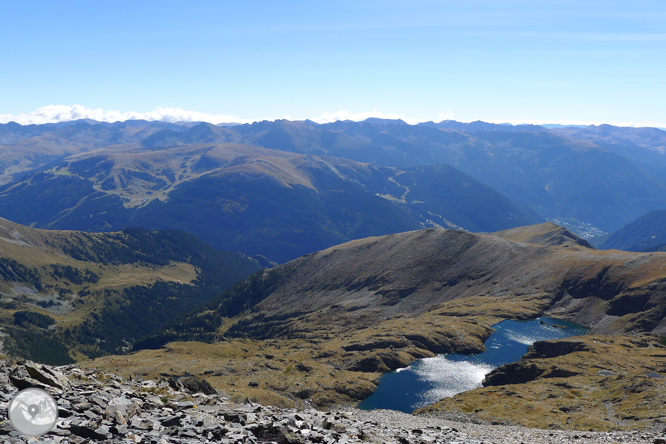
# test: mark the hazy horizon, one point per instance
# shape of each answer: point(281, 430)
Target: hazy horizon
point(62, 114)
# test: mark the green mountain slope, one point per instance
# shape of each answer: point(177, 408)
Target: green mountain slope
point(647, 233)
point(258, 201)
point(93, 294)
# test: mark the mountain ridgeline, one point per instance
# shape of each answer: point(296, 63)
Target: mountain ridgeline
point(519, 273)
point(68, 294)
point(320, 329)
point(257, 201)
point(594, 179)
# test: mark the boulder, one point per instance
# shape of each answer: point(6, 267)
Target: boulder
point(122, 409)
point(28, 374)
point(192, 385)
point(513, 373)
point(554, 348)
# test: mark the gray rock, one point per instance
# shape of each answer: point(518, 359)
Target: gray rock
point(171, 421)
point(123, 406)
point(216, 419)
point(185, 404)
point(119, 429)
point(87, 432)
point(235, 417)
point(191, 384)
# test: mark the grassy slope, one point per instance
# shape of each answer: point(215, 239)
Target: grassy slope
point(354, 311)
point(104, 291)
point(644, 233)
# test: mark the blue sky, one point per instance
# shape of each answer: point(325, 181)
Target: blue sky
point(509, 61)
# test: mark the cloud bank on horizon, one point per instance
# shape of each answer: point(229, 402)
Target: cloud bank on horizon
point(67, 113)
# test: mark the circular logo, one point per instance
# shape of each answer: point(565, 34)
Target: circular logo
point(33, 412)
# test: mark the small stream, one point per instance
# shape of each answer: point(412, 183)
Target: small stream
point(431, 379)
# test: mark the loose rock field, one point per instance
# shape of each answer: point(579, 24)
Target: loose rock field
point(98, 407)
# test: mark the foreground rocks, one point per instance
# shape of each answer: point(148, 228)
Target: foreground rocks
point(97, 407)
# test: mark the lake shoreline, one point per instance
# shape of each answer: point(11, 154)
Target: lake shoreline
point(428, 380)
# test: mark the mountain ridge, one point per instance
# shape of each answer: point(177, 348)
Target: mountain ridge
point(255, 200)
point(643, 234)
point(415, 273)
point(561, 173)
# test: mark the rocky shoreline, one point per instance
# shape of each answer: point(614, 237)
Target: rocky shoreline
point(100, 407)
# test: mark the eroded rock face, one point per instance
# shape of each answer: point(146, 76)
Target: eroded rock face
point(513, 373)
point(29, 374)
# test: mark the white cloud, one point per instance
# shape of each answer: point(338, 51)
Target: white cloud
point(65, 113)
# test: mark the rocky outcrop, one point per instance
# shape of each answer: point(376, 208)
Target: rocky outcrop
point(192, 385)
point(30, 374)
point(513, 373)
point(382, 362)
point(554, 348)
point(522, 372)
point(527, 369)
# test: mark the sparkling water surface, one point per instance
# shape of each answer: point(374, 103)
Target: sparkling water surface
point(431, 379)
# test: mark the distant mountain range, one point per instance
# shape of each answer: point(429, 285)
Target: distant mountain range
point(603, 176)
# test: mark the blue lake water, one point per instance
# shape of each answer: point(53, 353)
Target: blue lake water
point(431, 379)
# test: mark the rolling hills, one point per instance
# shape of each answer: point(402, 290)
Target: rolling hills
point(605, 176)
point(254, 200)
point(31, 147)
point(69, 295)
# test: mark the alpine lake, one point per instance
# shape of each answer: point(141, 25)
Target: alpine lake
point(428, 380)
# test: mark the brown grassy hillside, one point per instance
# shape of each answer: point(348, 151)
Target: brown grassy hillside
point(291, 334)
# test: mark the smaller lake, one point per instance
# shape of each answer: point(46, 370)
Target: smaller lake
point(428, 380)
